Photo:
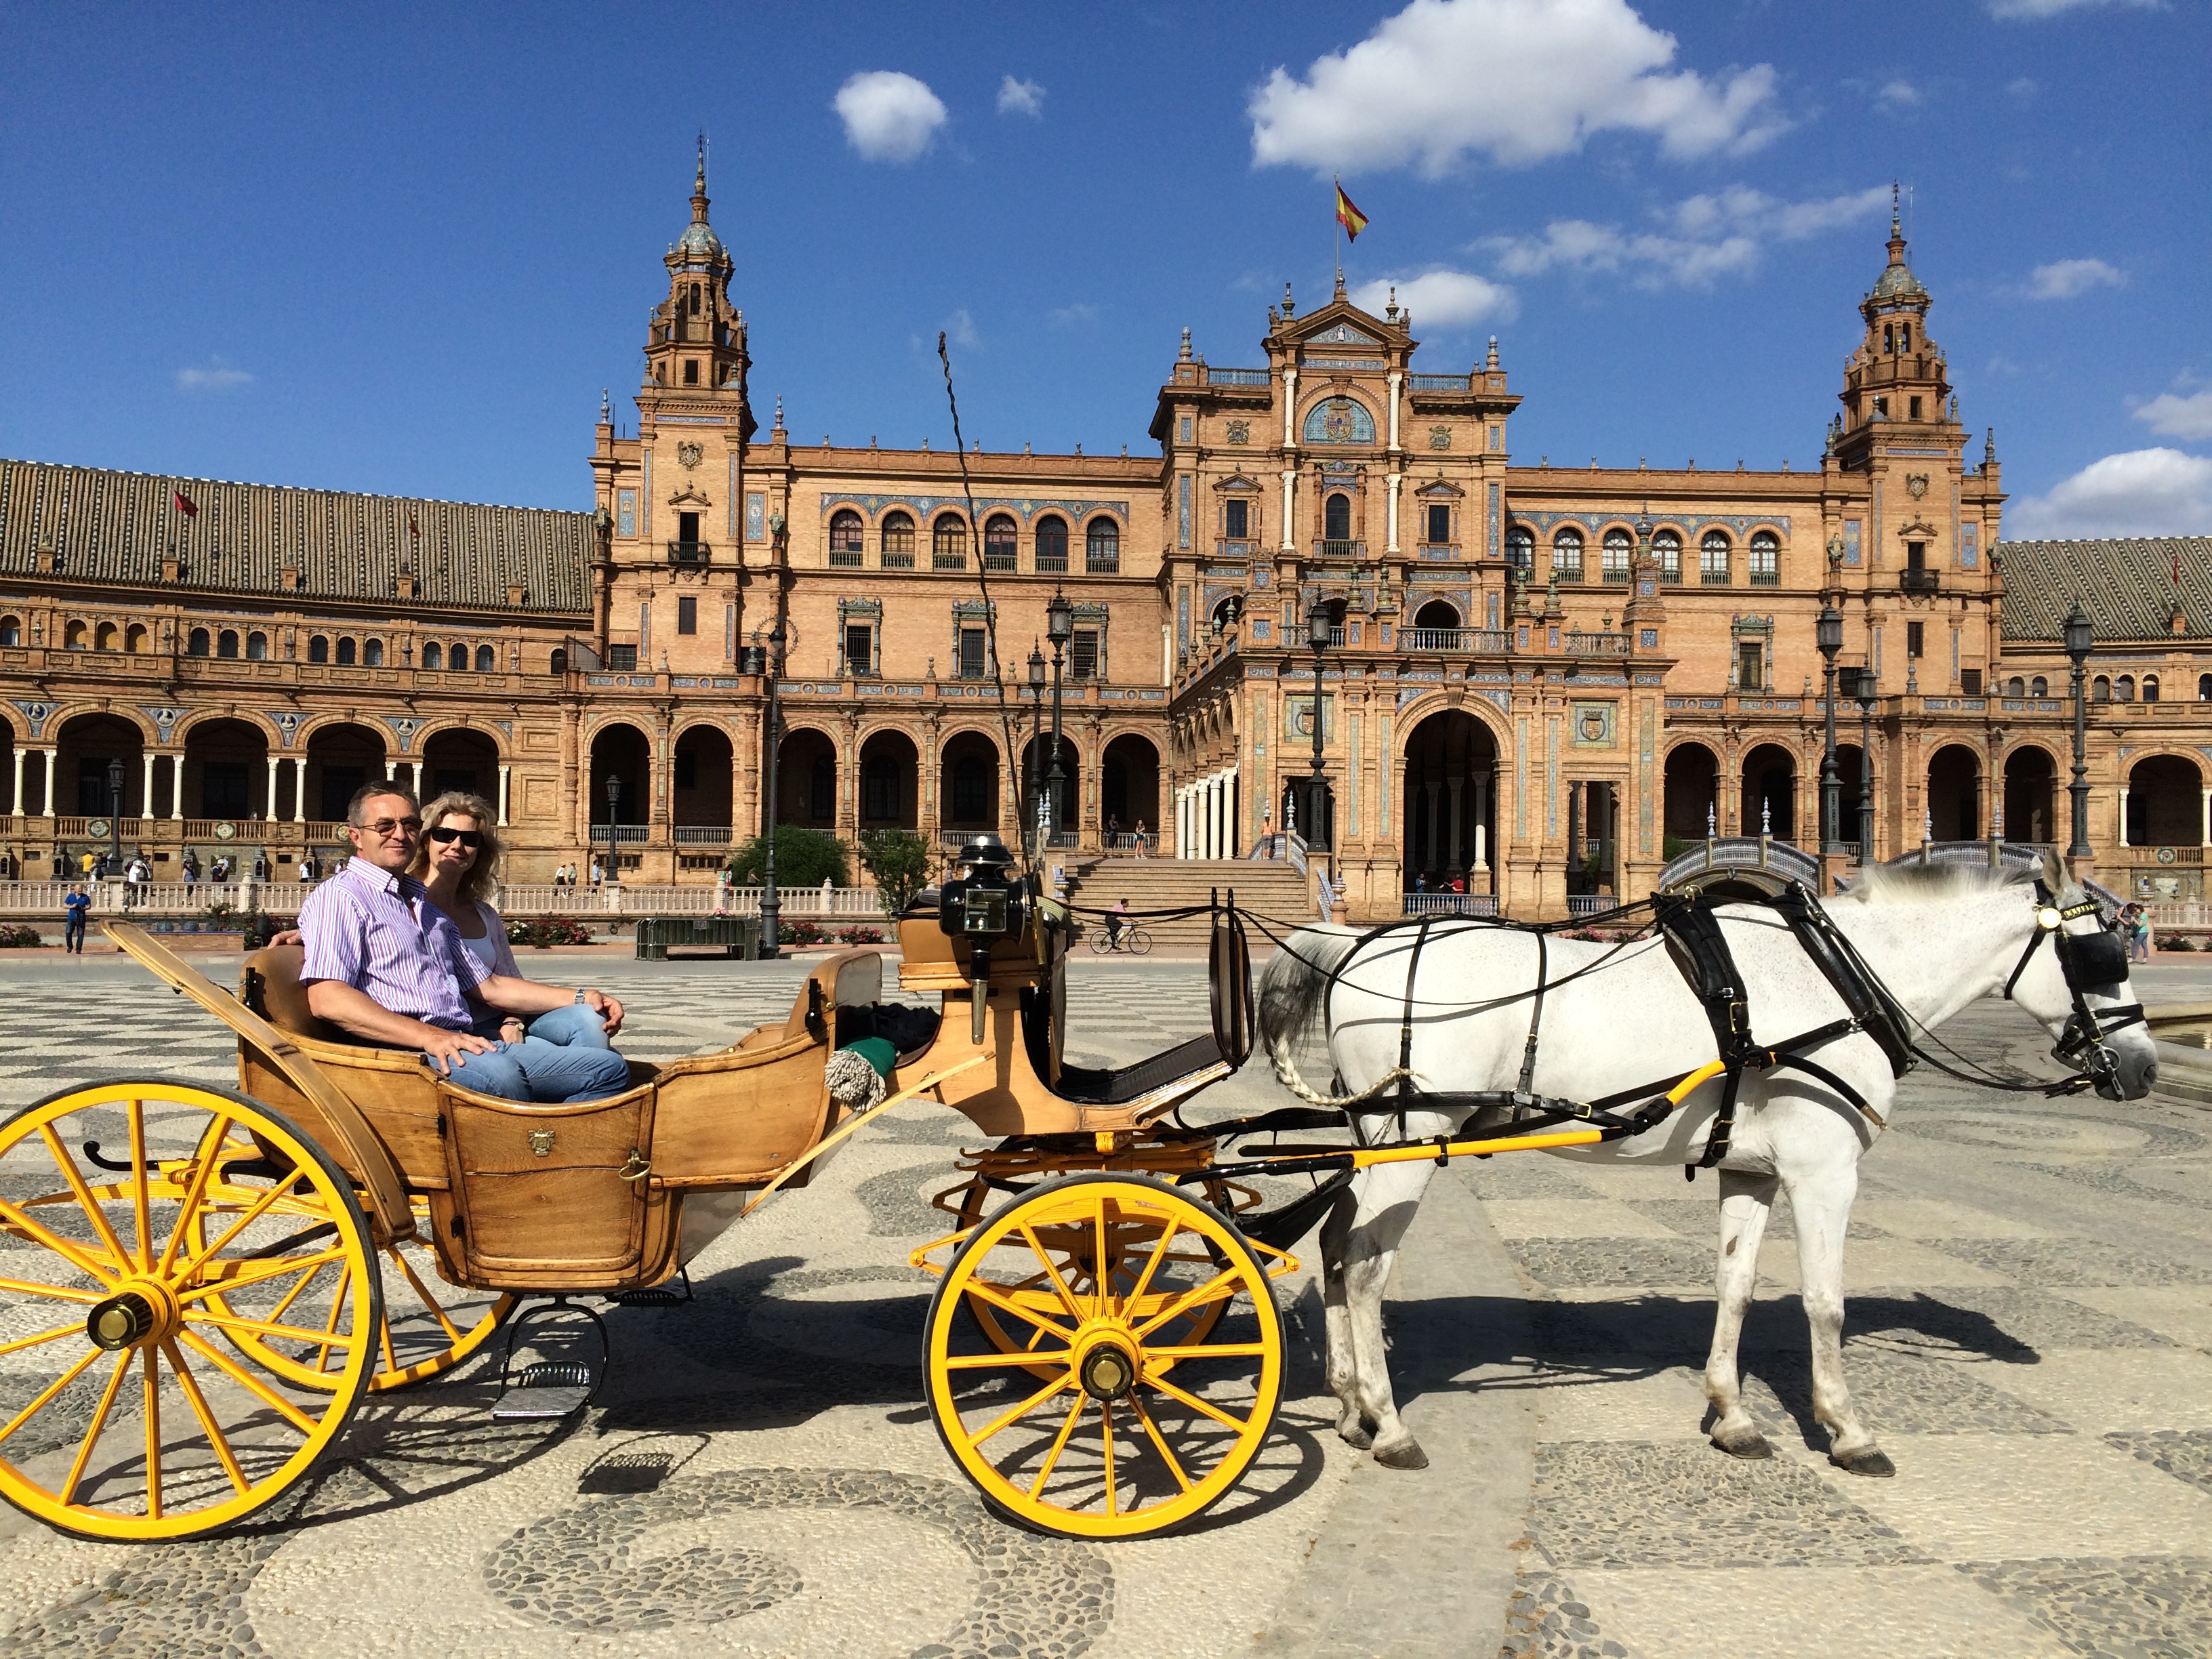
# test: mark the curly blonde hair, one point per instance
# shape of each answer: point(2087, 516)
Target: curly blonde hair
point(484, 872)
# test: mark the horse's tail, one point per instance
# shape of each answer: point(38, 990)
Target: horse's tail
point(1294, 993)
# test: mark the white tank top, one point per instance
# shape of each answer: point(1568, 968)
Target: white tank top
point(485, 951)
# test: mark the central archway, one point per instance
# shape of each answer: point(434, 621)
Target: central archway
point(2029, 775)
point(1770, 792)
point(967, 783)
point(1130, 787)
point(1450, 806)
point(891, 783)
point(1691, 792)
point(340, 759)
point(1954, 786)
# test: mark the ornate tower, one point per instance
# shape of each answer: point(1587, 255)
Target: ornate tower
point(1896, 387)
point(696, 338)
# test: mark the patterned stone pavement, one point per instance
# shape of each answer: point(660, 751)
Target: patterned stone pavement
point(2031, 1317)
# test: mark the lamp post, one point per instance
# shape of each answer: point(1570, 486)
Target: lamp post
point(614, 837)
point(1033, 826)
point(1317, 632)
point(771, 908)
point(115, 811)
point(1863, 688)
point(2078, 642)
point(1828, 632)
point(1059, 628)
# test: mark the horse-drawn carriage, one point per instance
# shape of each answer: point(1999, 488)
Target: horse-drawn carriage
point(238, 1270)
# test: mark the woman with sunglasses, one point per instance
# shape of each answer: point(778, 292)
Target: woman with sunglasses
point(456, 860)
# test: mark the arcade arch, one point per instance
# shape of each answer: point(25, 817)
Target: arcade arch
point(1691, 790)
point(891, 783)
point(1450, 806)
point(1954, 793)
point(2164, 803)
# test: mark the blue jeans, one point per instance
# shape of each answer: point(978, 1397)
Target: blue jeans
point(564, 1056)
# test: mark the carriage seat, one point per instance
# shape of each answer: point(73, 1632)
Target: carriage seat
point(270, 985)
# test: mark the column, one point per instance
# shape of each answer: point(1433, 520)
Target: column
point(1290, 419)
point(300, 790)
point(53, 755)
point(1482, 824)
point(16, 801)
point(1453, 787)
point(1397, 381)
point(417, 784)
point(1395, 478)
point(1289, 510)
point(177, 787)
point(1574, 825)
point(146, 790)
point(504, 771)
point(2204, 819)
point(269, 808)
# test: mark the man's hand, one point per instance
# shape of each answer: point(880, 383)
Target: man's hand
point(288, 936)
point(606, 1007)
point(442, 1046)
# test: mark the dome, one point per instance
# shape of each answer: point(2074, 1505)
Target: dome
point(1897, 279)
point(699, 237)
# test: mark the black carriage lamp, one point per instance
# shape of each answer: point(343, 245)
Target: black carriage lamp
point(1864, 688)
point(771, 906)
point(1059, 628)
point(2079, 640)
point(614, 837)
point(1030, 829)
point(1320, 630)
point(1828, 634)
point(115, 814)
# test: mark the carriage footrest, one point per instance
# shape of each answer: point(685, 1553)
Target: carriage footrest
point(552, 1387)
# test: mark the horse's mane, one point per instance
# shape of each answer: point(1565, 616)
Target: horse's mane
point(1921, 882)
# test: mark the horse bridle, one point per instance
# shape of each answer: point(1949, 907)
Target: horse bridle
point(2095, 962)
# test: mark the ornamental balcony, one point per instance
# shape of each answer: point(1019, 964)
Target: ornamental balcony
point(690, 555)
point(1910, 581)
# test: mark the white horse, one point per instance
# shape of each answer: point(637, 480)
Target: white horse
point(1938, 938)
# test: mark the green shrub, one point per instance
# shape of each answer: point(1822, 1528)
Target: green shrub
point(20, 938)
point(541, 933)
point(797, 932)
point(804, 858)
point(899, 861)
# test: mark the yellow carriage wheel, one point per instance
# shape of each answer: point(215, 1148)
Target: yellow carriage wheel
point(1118, 1409)
point(132, 1258)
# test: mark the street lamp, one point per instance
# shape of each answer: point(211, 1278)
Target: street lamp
point(1318, 627)
point(2078, 642)
point(1059, 628)
point(1033, 829)
point(1828, 632)
point(771, 908)
point(614, 837)
point(1864, 689)
point(115, 810)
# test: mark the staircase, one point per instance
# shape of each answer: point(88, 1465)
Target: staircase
point(1272, 887)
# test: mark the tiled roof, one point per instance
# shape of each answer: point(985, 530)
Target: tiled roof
point(2126, 585)
point(117, 528)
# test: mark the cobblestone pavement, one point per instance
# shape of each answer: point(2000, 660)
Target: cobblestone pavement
point(2029, 1335)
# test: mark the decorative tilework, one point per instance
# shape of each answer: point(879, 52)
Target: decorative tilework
point(1550, 776)
point(1851, 541)
point(1183, 511)
point(756, 516)
point(1497, 534)
point(1521, 790)
point(626, 512)
point(925, 504)
point(1338, 420)
point(1645, 742)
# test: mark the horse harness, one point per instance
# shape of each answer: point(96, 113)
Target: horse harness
point(2091, 961)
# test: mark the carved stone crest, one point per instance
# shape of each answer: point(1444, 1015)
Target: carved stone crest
point(1916, 485)
point(1440, 437)
point(688, 455)
point(1240, 432)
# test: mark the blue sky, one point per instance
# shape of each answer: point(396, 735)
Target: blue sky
point(402, 250)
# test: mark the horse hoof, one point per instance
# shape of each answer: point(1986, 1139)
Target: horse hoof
point(1871, 1461)
point(1748, 1444)
point(1357, 1434)
point(1407, 1455)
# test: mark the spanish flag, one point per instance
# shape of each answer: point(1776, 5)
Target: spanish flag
point(1349, 216)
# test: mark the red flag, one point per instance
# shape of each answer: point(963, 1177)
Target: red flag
point(186, 504)
point(1349, 216)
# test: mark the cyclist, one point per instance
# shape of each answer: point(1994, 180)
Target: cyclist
point(1115, 918)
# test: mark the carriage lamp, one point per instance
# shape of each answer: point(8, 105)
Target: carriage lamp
point(1828, 634)
point(115, 814)
point(2078, 642)
point(614, 853)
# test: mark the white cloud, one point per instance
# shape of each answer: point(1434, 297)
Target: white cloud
point(2179, 418)
point(1440, 298)
point(2023, 88)
point(218, 376)
point(2068, 279)
point(1700, 239)
point(1897, 96)
point(1517, 80)
point(1021, 98)
point(2142, 492)
point(960, 328)
point(888, 117)
point(1074, 316)
point(2028, 10)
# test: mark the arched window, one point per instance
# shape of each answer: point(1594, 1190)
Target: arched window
point(257, 647)
point(226, 643)
point(2204, 687)
point(2150, 688)
point(1668, 546)
point(457, 658)
point(1567, 555)
point(1521, 547)
point(434, 655)
point(1052, 543)
point(346, 651)
point(1765, 559)
point(11, 630)
point(75, 637)
point(1617, 547)
point(134, 639)
point(2016, 687)
point(2124, 689)
point(2038, 687)
point(560, 663)
point(318, 647)
point(1439, 615)
point(371, 653)
point(948, 542)
point(1101, 548)
point(1713, 559)
point(487, 661)
point(845, 538)
point(2101, 689)
point(196, 642)
point(1336, 518)
point(105, 637)
point(998, 543)
point(898, 541)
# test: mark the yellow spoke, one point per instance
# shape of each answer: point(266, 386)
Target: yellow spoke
point(331, 1325)
point(246, 1218)
point(141, 1201)
point(428, 1300)
point(1103, 1274)
point(292, 1295)
point(1058, 1445)
point(48, 1393)
point(384, 1331)
point(189, 1385)
point(75, 1177)
point(1208, 1351)
point(967, 1362)
point(1028, 1404)
point(253, 1385)
point(99, 1422)
point(20, 1342)
point(59, 1292)
point(265, 1327)
point(1005, 1304)
point(1106, 1425)
point(1067, 1297)
point(1160, 1445)
point(73, 1254)
point(1168, 1231)
point(240, 1280)
point(1197, 1405)
point(187, 1210)
point(1189, 1300)
point(153, 1413)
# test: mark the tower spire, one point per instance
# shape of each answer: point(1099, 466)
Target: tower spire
point(698, 185)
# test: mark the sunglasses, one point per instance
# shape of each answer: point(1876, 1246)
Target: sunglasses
point(470, 839)
point(385, 826)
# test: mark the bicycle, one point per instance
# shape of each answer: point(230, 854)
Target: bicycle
point(1133, 939)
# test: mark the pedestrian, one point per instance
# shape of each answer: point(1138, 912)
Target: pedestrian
point(189, 868)
point(306, 867)
point(2141, 937)
point(599, 874)
point(1138, 835)
point(95, 867)
point(74, 909)
point(1114, 831)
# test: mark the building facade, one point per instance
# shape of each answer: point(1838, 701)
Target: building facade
point(1536, 680)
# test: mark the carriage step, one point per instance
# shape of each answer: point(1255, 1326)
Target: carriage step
point(549, 1389)
point(656, 1296)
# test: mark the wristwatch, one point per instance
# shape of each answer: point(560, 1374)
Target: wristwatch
point(579, 996)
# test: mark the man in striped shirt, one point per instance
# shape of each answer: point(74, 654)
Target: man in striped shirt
point(388, 967)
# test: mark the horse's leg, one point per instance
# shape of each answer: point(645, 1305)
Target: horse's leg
point(1343, 1367)
point(1821, 1204)
point(1746, 1202)
point(1386, 1210)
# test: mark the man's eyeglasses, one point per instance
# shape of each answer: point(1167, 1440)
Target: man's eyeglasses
point(470, 839)
point(384, 826)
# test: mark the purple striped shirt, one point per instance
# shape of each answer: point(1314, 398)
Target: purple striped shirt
point(379, 933)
